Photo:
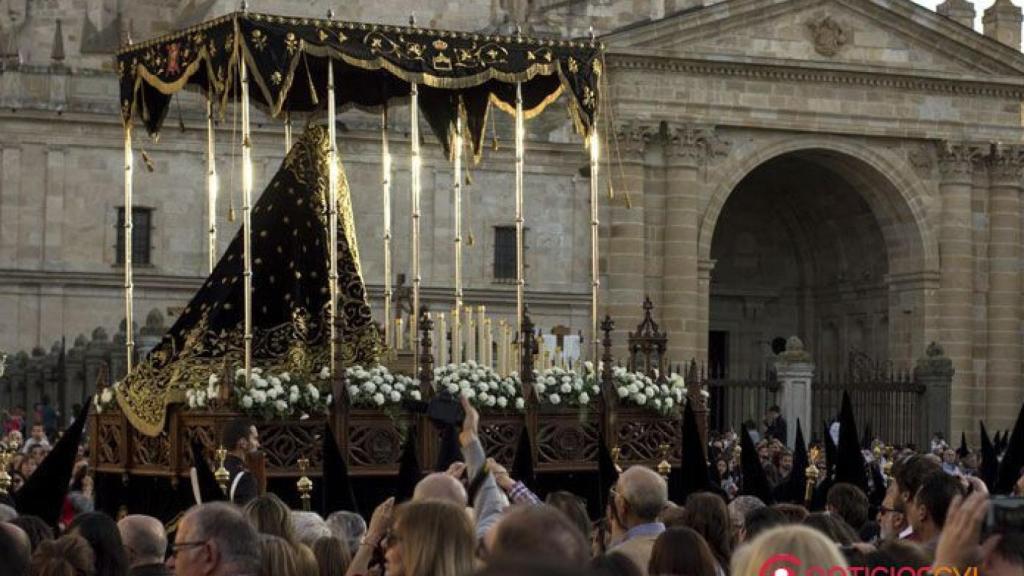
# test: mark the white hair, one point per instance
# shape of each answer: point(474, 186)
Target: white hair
point(348, 527)
point(309, 527)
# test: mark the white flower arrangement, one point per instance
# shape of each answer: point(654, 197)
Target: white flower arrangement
point(482, 385)
point(377, 387)
point(638, 389)
point(269, 395)
point(105, 397)
point(559, 386)
point(201, 396)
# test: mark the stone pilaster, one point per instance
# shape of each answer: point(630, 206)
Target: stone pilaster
point(935, 372)
point(688, 149)
point(795, 371)
point(957, 162)
point(625, 271)
point(960, 11)
point(1004, 314)
point(1002, 22)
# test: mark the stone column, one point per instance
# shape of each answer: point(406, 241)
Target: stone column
point(935, 372)
point(956, 322)
point(1002, 21)
point(1004, 315)
point(688, 149)
point(960, 11)
point(625, 257)
point(795, 371)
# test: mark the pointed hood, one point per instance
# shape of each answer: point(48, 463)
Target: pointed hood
point(337, 491)
point(793, 489)
point(409, 472)
point(997, 442)
point(693, 474)
point(755, 482)
point(867, 438)
point(448, 448)
point(204, 485)
point(522, 465)
point(607, 475)
point(43, 493)
point(988, 468)
point(1004, 443)
point(850, 460)
point(963, 450)
point(1013, 457)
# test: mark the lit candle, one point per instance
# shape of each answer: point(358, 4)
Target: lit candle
point(470, 336)
point(488, 343)
point(441, 340)
point(502, 346)
point(481, 355)
point(399, 335)
point(456, 336)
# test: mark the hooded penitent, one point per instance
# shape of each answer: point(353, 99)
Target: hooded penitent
point(850, 460)
point(793, 489)
point(409, 472)
point(1013, 458)
point(693, 474)
point(755, 482)
point(522, 464)
point(290, 296)
point(337, 492)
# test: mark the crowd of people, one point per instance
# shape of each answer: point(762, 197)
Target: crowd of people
point(476, 518)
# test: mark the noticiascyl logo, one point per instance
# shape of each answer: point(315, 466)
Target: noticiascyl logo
point(780, 565)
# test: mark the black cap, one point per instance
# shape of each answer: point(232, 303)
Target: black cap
point(43, 493)
point(337, 492)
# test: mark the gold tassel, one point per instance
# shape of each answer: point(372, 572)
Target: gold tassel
point(611, 190)
point(147, 161)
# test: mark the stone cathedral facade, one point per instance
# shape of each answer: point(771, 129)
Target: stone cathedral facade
point(848, 171)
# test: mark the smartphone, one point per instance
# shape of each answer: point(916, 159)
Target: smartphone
point(1005, 514)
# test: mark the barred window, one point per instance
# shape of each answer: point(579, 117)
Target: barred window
point(142, 228)
point(505, 252)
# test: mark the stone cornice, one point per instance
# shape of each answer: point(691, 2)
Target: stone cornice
point(688, 143)
point(959, 158)
point(814, 72)
point(1006, 164)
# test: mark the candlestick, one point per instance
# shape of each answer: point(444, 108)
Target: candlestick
point(481, 356)
point(441, 340)
point(399, 335)
point(470, 335)
point(502, 346)
point(488, 343)
point(456, 335)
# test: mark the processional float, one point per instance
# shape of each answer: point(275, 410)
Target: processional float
point(293, 267)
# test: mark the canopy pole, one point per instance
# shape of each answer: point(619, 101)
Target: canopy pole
point(414, 177)
point(212, 189)
point(287, 133)
point(129, 286)
point(385, 184)
point(457, 203)
point(332, 210)
point(246, 218)
point(595, 279)
point(520, 268)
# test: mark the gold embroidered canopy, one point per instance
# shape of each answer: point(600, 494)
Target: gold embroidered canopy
point(286, 57)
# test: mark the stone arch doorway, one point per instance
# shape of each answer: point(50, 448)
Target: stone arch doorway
point(820, 244)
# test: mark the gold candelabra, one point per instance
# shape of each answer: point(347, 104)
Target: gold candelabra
point(616, 454)
point(221, 474)
point(304, 485)
point(887, 467)
point(664, 467)
point(812, 474)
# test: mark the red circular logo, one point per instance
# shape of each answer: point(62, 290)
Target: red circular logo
point(776, 565)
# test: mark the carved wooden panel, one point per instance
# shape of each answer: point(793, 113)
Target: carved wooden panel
point(374, 444)
point(284, 443)
point(110, 441)
point(208, 437)
point(499, 435)
point(640, 436)
point(147, 452)
point(568, 442)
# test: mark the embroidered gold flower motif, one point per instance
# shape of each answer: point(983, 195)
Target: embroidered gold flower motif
point(574, 66)
point(341, 36)
point(440, 45)
point(415, 50)
point(596, 65)
point(376, 43)
point(259, 40)
point(588, 98)
point(229, 42)
point(322, 34)
point(276, 78)
point(291, 43)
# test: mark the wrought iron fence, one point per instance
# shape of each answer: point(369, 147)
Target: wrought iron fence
point(733, 401)
point(889, 403)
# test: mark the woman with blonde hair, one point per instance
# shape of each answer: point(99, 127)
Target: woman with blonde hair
point(793, 548)
point(421, 538)
point(269, 515)
point(277, 557)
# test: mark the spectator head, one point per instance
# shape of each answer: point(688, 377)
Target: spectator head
point(215, 539)
point(849, 502)
point(15, 548)
point(909, 474)
point(833, 527)
point(681, 551)
point(672, 517)
point(760, 520)
point(145, 541)
point(429, 537)
point(269, 515)
point(574, 508)
point(1007, 557)
point(930, 504)
point(892, 516)
point(240, 436)
point(305, 560)
point(332, 557)
point(440, 486)
point(707, 514)
point(7, 513)
point(348, 527)
point(309, 527)
point(739, 508)
point(69, 555)
point(100, 531)
point(812, 548)
point(785, 462)
point(897, 554)
point(38, 432)
point(640, 495)
point(613, 564)
point(794, 513)
point(36, 528)
point(277, 556)
point(723, 467)
point(539, 532)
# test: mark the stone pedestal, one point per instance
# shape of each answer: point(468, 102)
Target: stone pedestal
point(795, 371)
point(935, 372)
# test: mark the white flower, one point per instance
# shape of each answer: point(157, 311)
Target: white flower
point(325, 373)
point(469, 393)
point(239, 373)
point(565, 388)
point(623, 392)
point(259, 396)
point(415, 395)
point(669, 402)
point(106, 396)
point(520, 403)
point(191, 401)
point(502, 402)
point(280, 405)
point(588, 365)
point(294, 396)
point(329, 399)
point(649, 391)
point(246, 401)
point(634, 389)
point(274, 381)
point(640, 399)
point(273, 393)
point(584, 398)
point(491, 400)
point(657, 402)
point(353, 391)
point(213, 379)
point(554, 398)
point(540, 388)
point(285, 377)
point(595, 390)
point(385, 388)
point(257, 370)
point(378, 399)
point(396, 397)
point(368, 387)
point(313, 392)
